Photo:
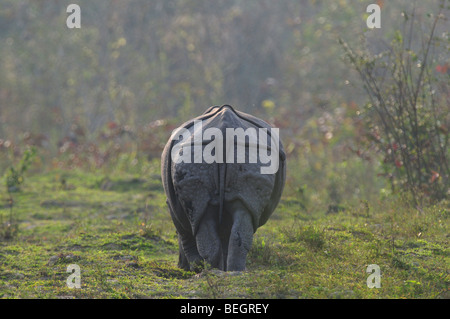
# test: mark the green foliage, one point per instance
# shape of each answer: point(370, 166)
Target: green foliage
point(15, 175)
point(313, 237)
point(14, 180)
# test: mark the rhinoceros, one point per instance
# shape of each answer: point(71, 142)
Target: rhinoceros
point(218, 198)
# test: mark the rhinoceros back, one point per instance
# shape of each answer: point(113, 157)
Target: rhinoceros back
point(200, 184)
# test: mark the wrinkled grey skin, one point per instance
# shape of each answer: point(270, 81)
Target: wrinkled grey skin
point(217, 207)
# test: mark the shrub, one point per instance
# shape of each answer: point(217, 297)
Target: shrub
point(407, 114)
point(15, 175)
point(14, 179)
point(313, 237)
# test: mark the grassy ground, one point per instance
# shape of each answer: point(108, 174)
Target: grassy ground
point(117, 229)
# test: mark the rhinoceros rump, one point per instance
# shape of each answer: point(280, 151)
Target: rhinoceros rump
point(217, 205)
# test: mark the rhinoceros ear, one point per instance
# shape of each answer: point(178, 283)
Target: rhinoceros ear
point(280, 179)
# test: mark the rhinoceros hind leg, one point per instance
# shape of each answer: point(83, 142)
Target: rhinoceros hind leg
point(241, 237)
point(183, 262)
point(208, 240)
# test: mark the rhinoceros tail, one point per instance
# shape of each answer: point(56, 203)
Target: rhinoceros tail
point(222, 182)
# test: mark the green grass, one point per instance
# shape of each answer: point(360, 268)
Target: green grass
point(118, 230)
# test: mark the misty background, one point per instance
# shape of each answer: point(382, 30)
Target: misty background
point(136, 61)
point(136, 69)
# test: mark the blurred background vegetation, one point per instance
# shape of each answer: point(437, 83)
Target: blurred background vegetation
point(106, 97)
